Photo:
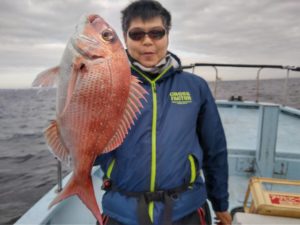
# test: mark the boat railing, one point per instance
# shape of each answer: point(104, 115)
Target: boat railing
point(258, 74)
point(59, 177)
point(217, 78)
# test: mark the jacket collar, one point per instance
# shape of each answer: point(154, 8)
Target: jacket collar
point(171, 69)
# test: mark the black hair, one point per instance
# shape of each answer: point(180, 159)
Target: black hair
point(145, 9)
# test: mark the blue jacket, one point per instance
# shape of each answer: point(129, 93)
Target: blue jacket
point(178, 133)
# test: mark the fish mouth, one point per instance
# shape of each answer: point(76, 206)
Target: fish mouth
point(85, 43)
point(93, 17)
point(88, 39)
point(84, 54)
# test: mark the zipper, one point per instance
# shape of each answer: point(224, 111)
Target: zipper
point(153, 136)
point(153, 147)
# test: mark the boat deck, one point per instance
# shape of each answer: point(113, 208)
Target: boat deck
point(241, 125)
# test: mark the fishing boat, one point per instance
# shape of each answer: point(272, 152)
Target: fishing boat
point(263, 143)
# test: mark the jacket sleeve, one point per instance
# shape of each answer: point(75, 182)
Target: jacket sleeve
point(212, 140)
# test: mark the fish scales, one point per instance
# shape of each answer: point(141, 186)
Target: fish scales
point(97, 102)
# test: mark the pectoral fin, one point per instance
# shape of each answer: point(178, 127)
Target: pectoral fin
point(54, 142)
point(47, 78)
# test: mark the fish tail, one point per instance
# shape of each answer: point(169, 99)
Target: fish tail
point(85, 191)
point(68, 190)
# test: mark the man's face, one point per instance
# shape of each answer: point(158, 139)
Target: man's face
point(147, 51)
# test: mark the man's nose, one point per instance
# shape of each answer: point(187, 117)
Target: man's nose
point(147, 40)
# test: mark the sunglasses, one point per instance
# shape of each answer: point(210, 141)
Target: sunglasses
point(138, 34)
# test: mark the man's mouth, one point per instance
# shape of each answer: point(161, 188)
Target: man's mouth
point(148, 53)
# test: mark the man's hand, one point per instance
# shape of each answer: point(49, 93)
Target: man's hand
point(224, 218)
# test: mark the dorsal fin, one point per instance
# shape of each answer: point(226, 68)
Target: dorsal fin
point(47, 78)
point(56, 146)
point(133, 106)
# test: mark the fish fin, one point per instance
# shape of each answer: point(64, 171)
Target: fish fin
point(47, 78)
point(54, 142)
point(85, 192)
point(133, 106)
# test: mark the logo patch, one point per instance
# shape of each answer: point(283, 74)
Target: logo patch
point(181, 97)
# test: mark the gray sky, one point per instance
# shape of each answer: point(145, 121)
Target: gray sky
point(33, 33)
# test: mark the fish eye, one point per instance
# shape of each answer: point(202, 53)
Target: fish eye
point(108, 35)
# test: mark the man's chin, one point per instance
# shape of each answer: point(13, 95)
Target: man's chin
point(148, 64)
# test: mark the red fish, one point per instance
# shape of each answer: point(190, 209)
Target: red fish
point(97, 102)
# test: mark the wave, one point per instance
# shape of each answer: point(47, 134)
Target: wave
point(18, 136)
point(19, 159)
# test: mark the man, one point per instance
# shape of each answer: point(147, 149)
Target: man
point(154, 176)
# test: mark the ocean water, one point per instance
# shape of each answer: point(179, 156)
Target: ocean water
point(28, 169)
point(269, 91)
